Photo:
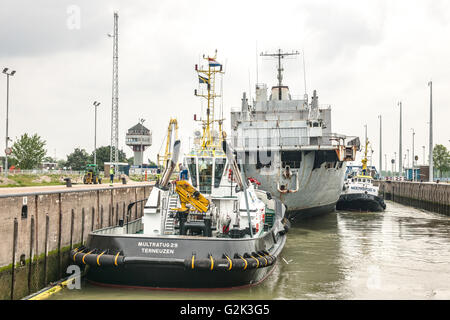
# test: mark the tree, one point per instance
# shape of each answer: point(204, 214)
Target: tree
point(441, 158)
point(28, 151)
point(48, 159)
point(103, 155)
point(78, 159)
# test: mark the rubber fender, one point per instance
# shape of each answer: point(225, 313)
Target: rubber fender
point(200, 264)
point(272, 259)
point(262, 261)
point(95, 258)
point(252, 262)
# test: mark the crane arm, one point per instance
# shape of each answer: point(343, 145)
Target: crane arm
point(188, 194)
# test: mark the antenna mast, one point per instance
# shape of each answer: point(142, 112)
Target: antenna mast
point(208, 76)
point(280, 69)
point(114, 150)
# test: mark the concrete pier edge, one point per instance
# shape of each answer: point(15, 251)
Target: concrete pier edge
point(50, 223)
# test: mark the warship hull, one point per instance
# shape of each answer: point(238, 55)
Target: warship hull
point(318, 189)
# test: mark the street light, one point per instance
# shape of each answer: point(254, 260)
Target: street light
point(400, 141)
point(96, 104)
point(381, 145)
point(413, 133)
point(430, 156)
point(7, 150)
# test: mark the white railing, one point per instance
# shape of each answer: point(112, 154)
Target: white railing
point(45, 171)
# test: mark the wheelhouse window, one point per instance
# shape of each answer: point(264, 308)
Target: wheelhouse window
point(205, 174)
point(190, 162)
point(218, 171)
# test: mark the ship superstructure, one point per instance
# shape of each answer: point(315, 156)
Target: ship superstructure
point(288, 146)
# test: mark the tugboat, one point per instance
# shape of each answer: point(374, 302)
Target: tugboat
point(225, 234)
point(359, 193)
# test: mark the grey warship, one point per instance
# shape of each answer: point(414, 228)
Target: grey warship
point(287, 145)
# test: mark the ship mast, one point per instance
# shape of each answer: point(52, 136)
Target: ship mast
point(364, 160)
point(279, 55)
point(208, 76)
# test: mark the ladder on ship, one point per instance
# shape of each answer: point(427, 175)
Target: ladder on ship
point(169, 223)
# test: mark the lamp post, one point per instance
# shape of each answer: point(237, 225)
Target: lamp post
point(413, 133)
point(96, 104)
point(381, 145)
point(430, 156)
point(7, 151)
point(400, 141)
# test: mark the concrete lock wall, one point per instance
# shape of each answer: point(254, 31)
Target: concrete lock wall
point(433, 197)
point(46, 226)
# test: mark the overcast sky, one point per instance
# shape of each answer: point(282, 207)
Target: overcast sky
point(362, 57)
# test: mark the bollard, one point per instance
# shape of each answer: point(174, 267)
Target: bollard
point(124, 181)
point(68, 182)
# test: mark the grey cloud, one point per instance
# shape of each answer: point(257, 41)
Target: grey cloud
point(31, 28)
point(342, 31)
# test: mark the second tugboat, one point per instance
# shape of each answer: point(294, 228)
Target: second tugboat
point(226, 234)
point(359, 193)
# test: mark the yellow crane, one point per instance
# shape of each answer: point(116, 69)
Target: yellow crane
point(171, 130)
point(188, 194)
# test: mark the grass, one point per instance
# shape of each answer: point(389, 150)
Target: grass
point(27, 180)
point(31, 180)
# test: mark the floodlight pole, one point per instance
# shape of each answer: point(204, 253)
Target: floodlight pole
point(8, 74)
point(430, 156)
point(96, 104)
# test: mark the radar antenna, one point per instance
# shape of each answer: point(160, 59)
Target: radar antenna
point(280, 55)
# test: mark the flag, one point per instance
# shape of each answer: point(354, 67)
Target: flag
point(213, 63)
point(203, 79)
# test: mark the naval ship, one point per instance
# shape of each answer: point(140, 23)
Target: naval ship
point(287, 145)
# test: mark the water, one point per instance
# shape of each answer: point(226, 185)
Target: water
point(402, 253)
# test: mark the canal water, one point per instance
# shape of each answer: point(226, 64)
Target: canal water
point(402, 253)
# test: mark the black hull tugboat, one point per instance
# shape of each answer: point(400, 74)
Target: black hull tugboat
point(210, 230)
point(197, 245)
point(359, 193)
point(360, 202)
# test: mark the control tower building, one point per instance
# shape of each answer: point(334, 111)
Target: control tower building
point(138, 138)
